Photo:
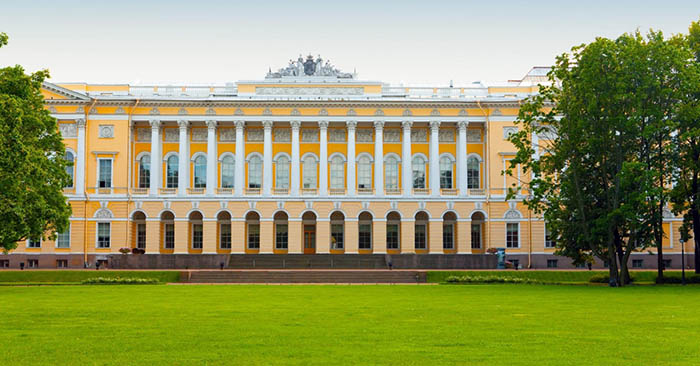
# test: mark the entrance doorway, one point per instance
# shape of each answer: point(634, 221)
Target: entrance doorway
point(309, 224)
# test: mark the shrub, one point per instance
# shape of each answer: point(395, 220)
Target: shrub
point(678, 280)
point(124, 250)
point(491, 279)
point(119, 281)
point(603, 278)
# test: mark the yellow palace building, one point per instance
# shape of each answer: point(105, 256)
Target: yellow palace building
point(309, 160)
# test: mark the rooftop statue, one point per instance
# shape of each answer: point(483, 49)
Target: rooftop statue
point(309, 67)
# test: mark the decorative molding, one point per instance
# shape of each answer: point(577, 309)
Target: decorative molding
point(295, 124)
point(407, 124)
point(68, 130)
point(93, 110)
point(255, 135)
point(166, 205)
point(309, 135)
point(240, 124)
point(295, 112)
point(512, 212)
point(182, 112)
point(120, 110)
point(323, 124)
point(478, 205)
point(496, 112)
point(509, 130)
point(392, 135)
point(462, 113)
point(211, 124)
point(364, 135)
point(435, 113)
point(309, 204)
point(421, 205)
point(138, 205)
point(282, 134)
point(434, 125)
point(336, 135)
point(106, 131)
point(171, 135)
point(199, 134)
point(143, 134)
point(379, 112)
point(419, 135)
point(379, 125)
point(103, 213)
point(223, 204)
point(394, 204)
point(280, 204)
point(337, 205)
point(238, 112)
point(195, 204)
point(154, 123)
point(183, 123)
point(154, 111)
point(462, 125)
point(351, 125)
point(80, 110)
point(264, 90)
point(473, 135)
point(210, 112)
point(446, 135)
point(52, 109)
point(407, 112)
point(365, 205)
point(227, 135)
point(267, 112)
point(267, 125)
point(251, 205)
point(351, 112)
point(323, 112)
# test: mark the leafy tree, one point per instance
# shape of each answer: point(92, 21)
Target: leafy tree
point(686, 190)
point(599, 181)
point(32, 164)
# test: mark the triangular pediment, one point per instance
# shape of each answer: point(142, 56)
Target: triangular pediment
point(55, 92)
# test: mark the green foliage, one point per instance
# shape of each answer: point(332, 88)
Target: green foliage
point(492, 279)
point(689, 279)
point(119, 281)
point(3, 39)
point(32, 164)
point(70, 276)
point(604, 278)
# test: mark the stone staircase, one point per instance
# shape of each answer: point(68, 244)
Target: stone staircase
point(303, 276)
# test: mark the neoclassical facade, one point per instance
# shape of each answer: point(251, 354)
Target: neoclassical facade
point(308, 160)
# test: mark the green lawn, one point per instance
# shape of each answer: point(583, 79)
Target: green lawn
point(551, 276)
point(68, 276)
point(346, 325)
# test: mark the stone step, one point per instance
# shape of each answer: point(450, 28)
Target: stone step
point(378, 276)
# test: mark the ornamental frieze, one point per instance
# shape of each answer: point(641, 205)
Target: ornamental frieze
point(282, 135)
point(106, 131)
point(255, 135)
point(227, 135)
point(473, 136)
point(309, 135)
point(364, 135)
point(336, 135)
point(199, 134)
point(266, 90)
point(171, 135)
point(392, 135)
point(446, 135)
point(143, 134)
point(419, 135)
point(68, 130)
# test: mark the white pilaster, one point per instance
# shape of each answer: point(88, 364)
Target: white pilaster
point(267, 158)
point(434, 158)
point(323, 159)
point(211, 158)
point(379, 158)
point(80, 159)
point(239, 177)
point(183, 181)
point(406, 168)
point(462, 157)
point(156, 159)
point(295, 158)
point(351, 158)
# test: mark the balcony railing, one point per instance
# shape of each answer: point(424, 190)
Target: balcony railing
point(224, 191)
point(139, 191)
point(365, 191)
point(281, 191)
point(167, 190)
point(337, 191)
point(392, 191)
point(195, 190)
point(420, 191)
point(309, 191)
point(448, 191)
point(252, 191)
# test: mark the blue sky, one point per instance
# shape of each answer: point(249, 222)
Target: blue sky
point(411, 42)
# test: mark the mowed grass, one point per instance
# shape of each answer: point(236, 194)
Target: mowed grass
point(71, 276)
point(350, 325)
point(551, 275)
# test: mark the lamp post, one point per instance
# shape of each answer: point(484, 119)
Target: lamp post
point(682, 261)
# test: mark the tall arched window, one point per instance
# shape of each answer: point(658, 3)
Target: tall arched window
point(172, 172)
point(309, 172)
point(337, 173)
point(364, 173)
point(418, 167)
point(227, 171)
point(200, 172)
point(391, 173)
point(445, 173)
point(282, 172)
point(255, 172)
point(145, 171)
point(473, 173)
point(69, 168)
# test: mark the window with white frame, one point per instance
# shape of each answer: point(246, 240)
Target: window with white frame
point(365, 235)
point(172, 167)
point(141, 236)
point(418, 167)
point(31, 243)
point(200, 172)
point(255, 172)
point(392, 236)
point(364, 173)
point(472, 173)
point(228, 171)
point(281, 236)
point(391, 173)
point(420, 236)
point(69, 167)
point(549, 241)
point(253, 235)
point(445, 173)
point(169, 236)
point(225, 235)
point(197, 235)
point(63, 239)
point(103, 234)
point(145, 171)
point(337, 235)
point(282, 172)
point(309, 181)
point(104, 179)
point(337, 173)
point(512, 235)
point(448, 236)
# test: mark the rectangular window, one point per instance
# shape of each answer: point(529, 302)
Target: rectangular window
point(197, 236)
point(309, 181)
point(103, 234)
point(448, 236)
point(282, 172)
point(420, 236)
point(549, 241)
point(337, 236)
point(637, 263)
point(281, 236)
point(225, 236)
point(552, 263)
point(364, 175)
point(141, 236)
point(105, 173)
point(4, 263)
point(392, 236)
point(253, 236)
point(33, 263)
point(365, 241)
point(33, 243)
point(63, 239)
point(169, 242)
point(512, 235)
point(476, 236)
point(61, 263)
point(337, 173)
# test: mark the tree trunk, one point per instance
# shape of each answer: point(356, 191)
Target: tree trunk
point(614, 280)
point(696, 237)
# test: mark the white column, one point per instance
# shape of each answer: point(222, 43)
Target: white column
point(434, 158)
point(211, 158)
point(323, 159)
point(351, 158)
point(462, 157)
point(80, 159)
point(379, 158)
point(239, 174)
point(183, 181)
point(267, 158)
point(156, 159)
point(295, 158)
point(406, 159)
